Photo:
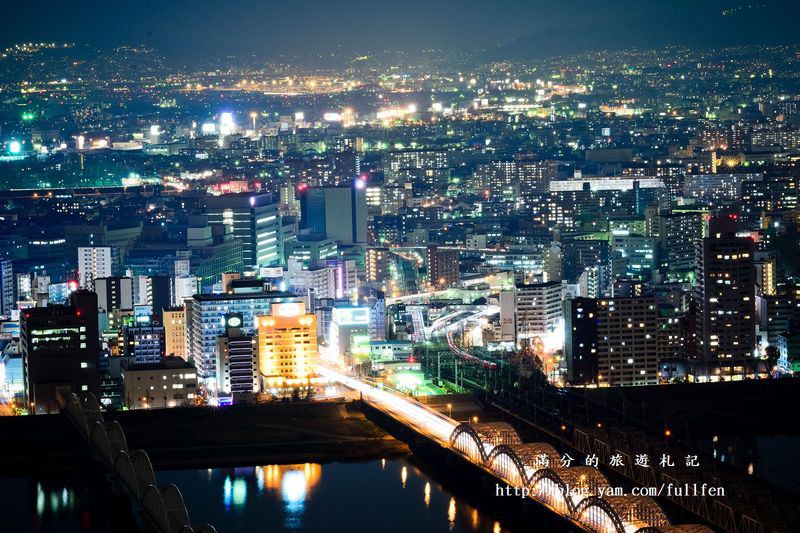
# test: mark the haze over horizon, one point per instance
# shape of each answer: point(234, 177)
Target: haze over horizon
point(211, 29)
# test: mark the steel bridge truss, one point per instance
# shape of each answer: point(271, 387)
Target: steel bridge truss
point(580, 493)
point(132, 470)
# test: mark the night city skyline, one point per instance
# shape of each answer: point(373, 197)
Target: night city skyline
point(448, 266)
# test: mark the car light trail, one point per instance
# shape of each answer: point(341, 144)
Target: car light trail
point(419, 417)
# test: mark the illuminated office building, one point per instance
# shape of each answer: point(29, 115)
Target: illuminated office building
point(254, 220)
point(349, 334)
point(205, 321)
point(60, 351)
point(114, 293)
point(339, 213)
point(143, 344)
point(170, 382)
point(537, 310)
point(377, 264)
point(6, 287)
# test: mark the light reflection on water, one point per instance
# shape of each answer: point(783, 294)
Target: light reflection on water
point(63, 502)
point(292, 482)
point(335, 496)
point(59, 500)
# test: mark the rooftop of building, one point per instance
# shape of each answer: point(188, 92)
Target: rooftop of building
point(242, 296)
point(169, 362)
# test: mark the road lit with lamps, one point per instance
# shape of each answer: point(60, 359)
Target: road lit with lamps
point(417, 416)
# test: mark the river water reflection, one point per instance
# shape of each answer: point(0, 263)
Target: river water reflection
point(385, 496)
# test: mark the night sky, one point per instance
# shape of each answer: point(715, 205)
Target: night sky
point(213, 28)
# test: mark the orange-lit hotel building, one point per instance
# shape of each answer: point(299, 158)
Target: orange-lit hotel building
point(287, 346)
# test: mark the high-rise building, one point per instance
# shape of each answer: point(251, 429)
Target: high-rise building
point(237, 359)
point(377, 317)
point(580, 341)
point(6, 286)
point(287, 345)
point(158, 295)
point(339, 213)
point(184, 287)
point(205, 321)
point(538, 310)
point(508, 328)
point(442, 266)
point(60, 349)
point(114, 293)
point(766, 273)
point(612, 342)
point(174, 320)
point(726, 310)
point(93, 262)
point(678, 236)
point(255, 221)
point(638, 251)
point(377, 264)
point(776, 314)
point(397, 163)
point(346, 166)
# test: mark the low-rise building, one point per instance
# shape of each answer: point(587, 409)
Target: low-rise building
point(168, 383)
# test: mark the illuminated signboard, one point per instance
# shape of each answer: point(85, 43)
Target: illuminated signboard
point(288, 309)
point(351, 316)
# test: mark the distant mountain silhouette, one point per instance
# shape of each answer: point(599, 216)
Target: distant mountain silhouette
point(698, 28)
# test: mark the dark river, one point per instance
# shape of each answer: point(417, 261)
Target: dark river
point(385, 496)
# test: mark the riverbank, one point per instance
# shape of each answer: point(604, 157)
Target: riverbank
point(257, 434)
point(206, 437)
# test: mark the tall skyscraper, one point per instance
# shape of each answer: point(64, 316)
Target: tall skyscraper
point(726, 297)
point(580, 341)
point(339, 213)
point(93, 262)
point(60, 349)
point(255, 221)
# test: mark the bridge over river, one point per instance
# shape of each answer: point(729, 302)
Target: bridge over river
point(580, 494)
